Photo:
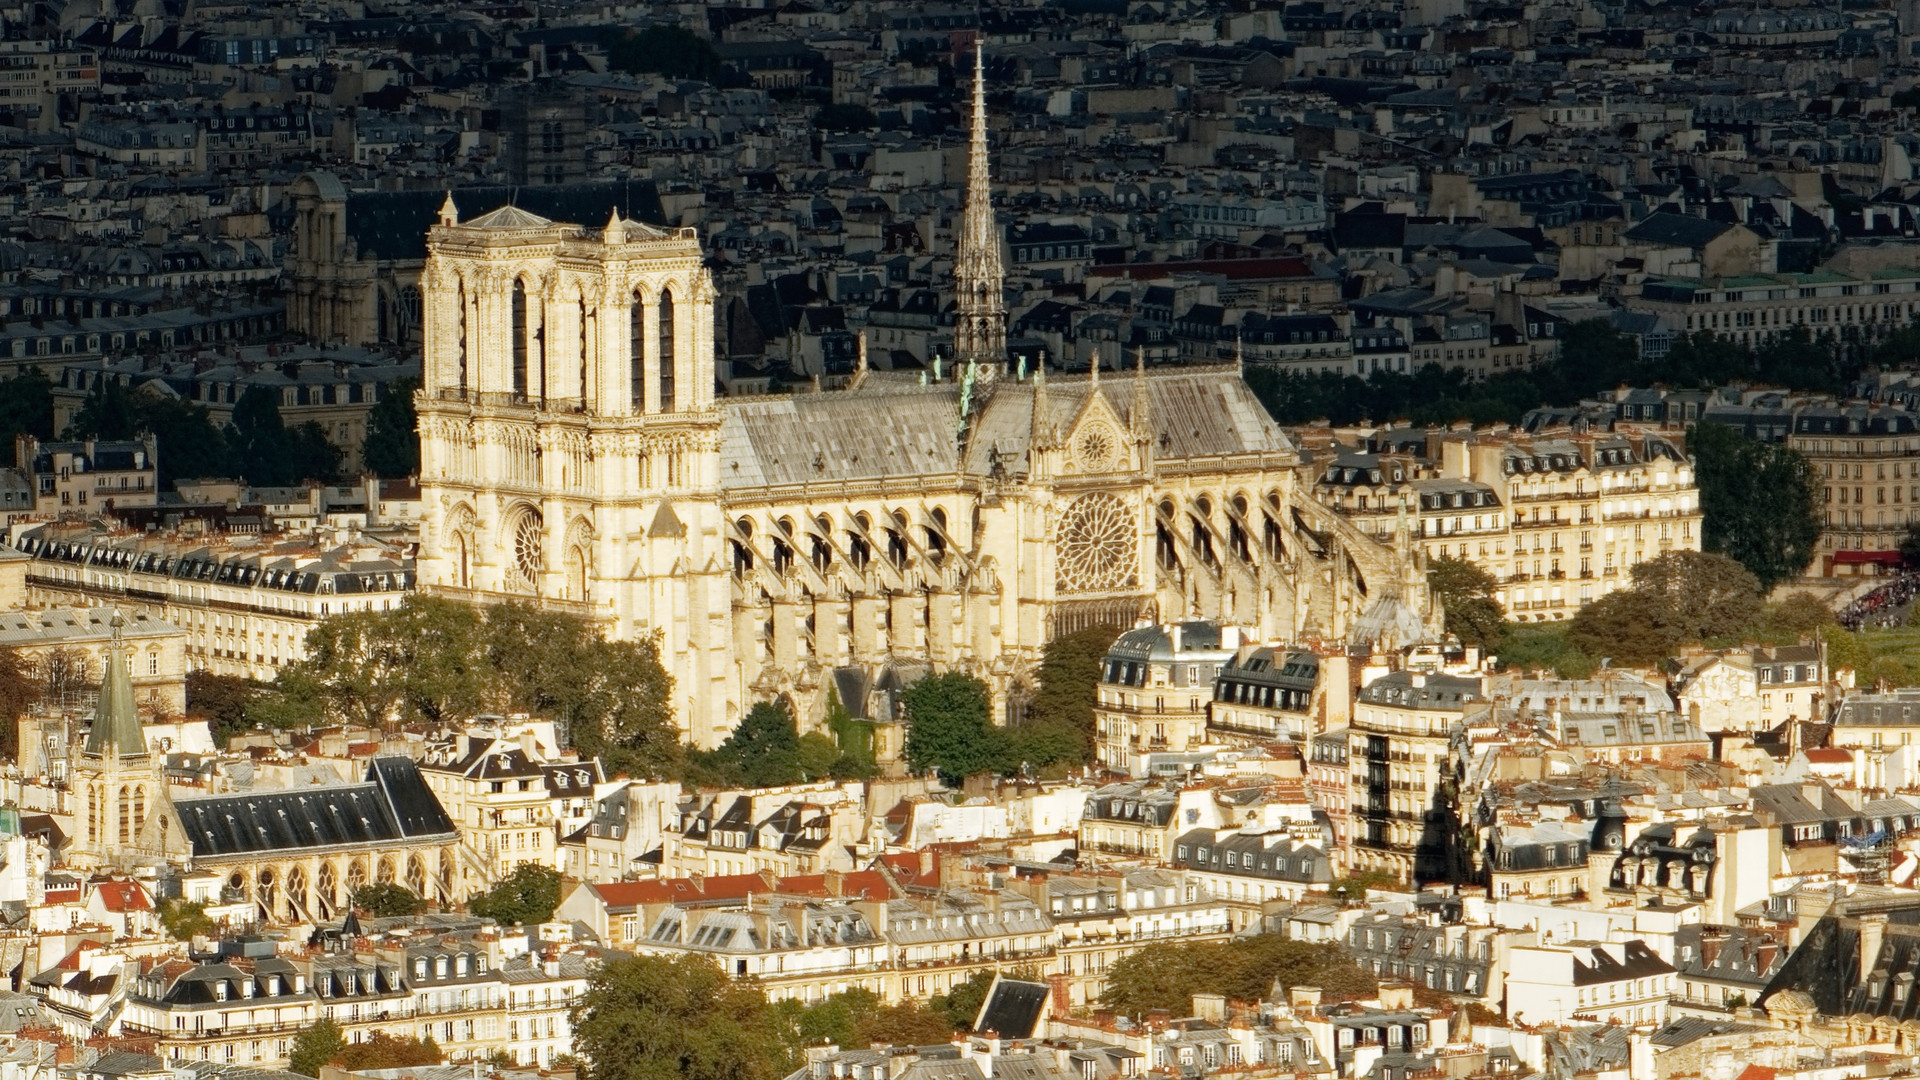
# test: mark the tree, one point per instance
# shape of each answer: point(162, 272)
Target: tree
point(312, 456)
point(763, 751)
point(1679, 598)
point(384, 1051)
point(675, 1018)
point(315, 1047)
point(26, 408)
point(1059, 721)
point(1793, 617)
point(525, 897)
point(673, 51)
point(109, 411)
point(948, 730)
point(1761, 502)
point(392, 446)
point(65, 675)
point(904, 1023)
point(186, 919)
point(387, 899)
point(258, 444)
point(19, 693)
point(187, 443)
point(960, 1006)
point(1467, 596)
point(222, 701)
point(1910, 545)
point(1697, 596)
point(854, 740)
point(1167, 975)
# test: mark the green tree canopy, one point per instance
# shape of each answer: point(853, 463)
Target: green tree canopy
point(387, 899)
point(1910, 545)
point(1059, 723)
point(948, 729)
point(184, 919)
point(1167, 975)
point(392, 446)
point(19, 693)
point(525, 897)
point(222, 701)
point(26, 408)
point(675, 1018)
point(673, 51)
point(438, 660)
point(763, 751)
point(315, 1047)
point(1682, 597)
point(186, 442)
point(1761, 502)
point(1467, 596)
point(383, 1051)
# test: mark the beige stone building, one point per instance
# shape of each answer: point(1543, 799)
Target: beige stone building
point(573, 452)
point(1558, 519)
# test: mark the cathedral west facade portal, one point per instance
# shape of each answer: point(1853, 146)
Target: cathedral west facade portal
point(573, 453)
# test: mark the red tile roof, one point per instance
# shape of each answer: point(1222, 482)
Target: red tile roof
point(123, 896)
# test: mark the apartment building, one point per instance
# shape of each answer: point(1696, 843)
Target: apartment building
point(472, 988)
point(1868, 461)
point(1750, 309)
point(1156, 685)
point(245, 602)
point(91, 476)
point(1403, 820)
point(1558, 518)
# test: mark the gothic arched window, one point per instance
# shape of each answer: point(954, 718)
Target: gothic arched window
point(521, 382)
point(637, 340)
point(666, 354)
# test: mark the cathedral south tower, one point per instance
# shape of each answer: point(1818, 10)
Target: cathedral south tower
point(569, 440)
point(980, 306)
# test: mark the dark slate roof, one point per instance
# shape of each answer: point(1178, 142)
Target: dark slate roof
point(1430, 692)
point(394, 224)
point(1012, 1008)
point(1681, 230)
point(1636, 962)
point(392, 805)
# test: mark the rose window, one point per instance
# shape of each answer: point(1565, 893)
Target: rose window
point(1096, 545)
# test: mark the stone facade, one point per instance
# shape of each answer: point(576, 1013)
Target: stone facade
point(572, 451)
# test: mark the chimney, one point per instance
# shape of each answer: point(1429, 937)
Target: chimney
point(1303, 998)
point(1872, 928)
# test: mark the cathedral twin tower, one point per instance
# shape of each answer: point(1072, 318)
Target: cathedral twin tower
point(570, 441)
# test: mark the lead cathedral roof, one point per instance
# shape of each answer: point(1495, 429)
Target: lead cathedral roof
point(885, 431)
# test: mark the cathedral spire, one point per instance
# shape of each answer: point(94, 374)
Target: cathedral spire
point(1139, 412)
point(980, 324)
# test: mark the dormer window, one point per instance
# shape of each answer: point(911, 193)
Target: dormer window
point(420, 968)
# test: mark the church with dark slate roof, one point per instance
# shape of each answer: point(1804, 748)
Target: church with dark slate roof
point(574, 453)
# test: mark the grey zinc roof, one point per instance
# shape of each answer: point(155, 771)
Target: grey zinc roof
point(812, 438)
point(886, 429)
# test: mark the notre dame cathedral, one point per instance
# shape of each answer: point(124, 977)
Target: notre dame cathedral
point(573, 452)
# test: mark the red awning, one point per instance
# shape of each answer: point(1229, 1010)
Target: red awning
point(1859, 558)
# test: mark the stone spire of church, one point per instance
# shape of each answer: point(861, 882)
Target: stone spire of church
point(980, 325)
point(116, 730)
point(1139, 418)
